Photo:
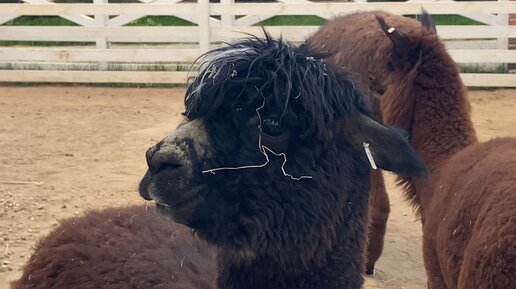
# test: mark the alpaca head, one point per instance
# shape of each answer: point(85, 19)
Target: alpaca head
point(270, 155)
point(409, 42)
point(416, 62)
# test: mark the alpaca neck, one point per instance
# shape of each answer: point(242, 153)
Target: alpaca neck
point(265, 272)
point(441, 124)
point(340, 267)
point(441, 129)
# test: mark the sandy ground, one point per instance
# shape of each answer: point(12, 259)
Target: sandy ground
point(64, 150)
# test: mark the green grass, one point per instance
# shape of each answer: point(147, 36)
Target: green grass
point(58, 21)
point(40, 21)
point(477, 68)
point(161, 21)
point(8, 43)
point(293, 20)
point(286, 20)
point(451, 19)
point(152, 67)
point(112, 66)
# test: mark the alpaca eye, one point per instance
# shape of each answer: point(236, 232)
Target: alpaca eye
point(273, 127)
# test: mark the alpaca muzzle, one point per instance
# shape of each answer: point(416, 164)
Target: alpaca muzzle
point(170, 158)
point(172, 180)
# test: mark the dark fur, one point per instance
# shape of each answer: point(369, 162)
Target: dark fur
point(287, 78)
point(379, 209)
point(119, 248)
point(301, 233)
point(357, 42)
point(468, 203)
point(273, 231)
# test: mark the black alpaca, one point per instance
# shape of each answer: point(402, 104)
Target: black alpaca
point(270, 166)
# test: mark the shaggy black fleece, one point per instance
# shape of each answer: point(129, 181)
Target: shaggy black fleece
point(297, 87)
point(276, 232)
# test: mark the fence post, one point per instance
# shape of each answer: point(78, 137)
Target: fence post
point(512, 41)
point(101, 42)
point(503, 40)
point(203, 12)
point(227, 19)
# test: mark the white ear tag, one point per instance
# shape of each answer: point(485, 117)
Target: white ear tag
point(369, 155)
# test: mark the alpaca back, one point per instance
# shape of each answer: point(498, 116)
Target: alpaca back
point(471, 220)
point(120, 248)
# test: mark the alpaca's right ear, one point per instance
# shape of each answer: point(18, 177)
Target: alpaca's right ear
point(387, 147)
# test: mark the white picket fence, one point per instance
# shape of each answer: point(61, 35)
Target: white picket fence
point(215, 23)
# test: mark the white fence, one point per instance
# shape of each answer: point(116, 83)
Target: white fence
point(215, 22)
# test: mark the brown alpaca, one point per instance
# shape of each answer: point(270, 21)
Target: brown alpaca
point(356, 41)
point(116, 248)
point(467, 204)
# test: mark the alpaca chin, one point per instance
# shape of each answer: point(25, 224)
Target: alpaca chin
point(239, 256)
point(183, 213)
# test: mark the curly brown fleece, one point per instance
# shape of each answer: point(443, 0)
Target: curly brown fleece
point(120, 248)
point(468, 202)
point(356, 41)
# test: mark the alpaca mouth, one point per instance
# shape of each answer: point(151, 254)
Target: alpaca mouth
point(160, 204)
point(182, 212)
point(179, 199)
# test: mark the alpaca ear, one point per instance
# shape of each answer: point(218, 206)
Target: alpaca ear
point(400, 41)
point(427, 22)
point(386, 147)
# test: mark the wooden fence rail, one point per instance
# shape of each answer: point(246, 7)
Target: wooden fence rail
point(101, 36)
point(304, 8)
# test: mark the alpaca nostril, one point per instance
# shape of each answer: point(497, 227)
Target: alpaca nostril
point(168, 165)
point(158, 162)
point(159, 159)
point(149, 156)
point(157, 166)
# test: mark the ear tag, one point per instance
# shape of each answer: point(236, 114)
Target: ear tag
point(390, 30)
point(369, 155)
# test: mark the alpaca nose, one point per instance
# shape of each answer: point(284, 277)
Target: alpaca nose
point(149, 154)
point(158, 160)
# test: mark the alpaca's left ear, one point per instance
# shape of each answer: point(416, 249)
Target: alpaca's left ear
point(388, 147)
point(427, 22)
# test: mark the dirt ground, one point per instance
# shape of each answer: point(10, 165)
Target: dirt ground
point(64, 150)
